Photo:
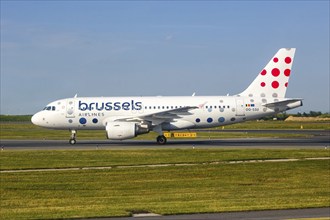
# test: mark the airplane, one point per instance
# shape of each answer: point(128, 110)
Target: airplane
point(126, 117)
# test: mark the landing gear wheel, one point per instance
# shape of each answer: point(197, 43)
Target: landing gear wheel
point(161, 139)
point(72, 141)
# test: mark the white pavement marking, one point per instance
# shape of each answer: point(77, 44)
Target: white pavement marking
point(143, 215)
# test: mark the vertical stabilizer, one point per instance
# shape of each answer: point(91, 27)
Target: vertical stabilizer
point(273, 80)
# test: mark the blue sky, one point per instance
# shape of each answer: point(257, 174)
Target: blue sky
point(55, 49)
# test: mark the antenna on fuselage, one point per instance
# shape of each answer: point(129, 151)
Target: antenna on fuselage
point(75, 96)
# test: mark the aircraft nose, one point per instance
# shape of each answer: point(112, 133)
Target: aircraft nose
point(36, 119)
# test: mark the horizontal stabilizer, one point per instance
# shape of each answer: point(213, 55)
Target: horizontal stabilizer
point(285, 104)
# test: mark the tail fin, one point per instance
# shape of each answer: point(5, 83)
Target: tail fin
point(273, 80)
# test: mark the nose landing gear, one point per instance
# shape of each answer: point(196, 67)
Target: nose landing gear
point(72, 140)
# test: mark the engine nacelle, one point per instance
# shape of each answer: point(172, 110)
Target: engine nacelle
point(124, 130)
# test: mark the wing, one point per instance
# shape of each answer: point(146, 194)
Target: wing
point(158, 117)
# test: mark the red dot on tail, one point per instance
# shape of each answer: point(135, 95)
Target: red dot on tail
point(287, 72)
point(286, 84)
point(275, 84)
point(263, 84)
point(275, 59)
point(275, 72)
point(263, 72)
point(288, 60)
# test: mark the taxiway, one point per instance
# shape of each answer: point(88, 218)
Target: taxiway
point(312, 142)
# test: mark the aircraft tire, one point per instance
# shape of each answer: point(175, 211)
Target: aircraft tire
point(161, 139)
point(72, 141)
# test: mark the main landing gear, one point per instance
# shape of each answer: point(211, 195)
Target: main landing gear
point(161, 139)
point(72, 140)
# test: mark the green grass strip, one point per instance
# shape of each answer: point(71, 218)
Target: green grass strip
point(31, 159)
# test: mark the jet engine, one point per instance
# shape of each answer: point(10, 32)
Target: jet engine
point(125, 130)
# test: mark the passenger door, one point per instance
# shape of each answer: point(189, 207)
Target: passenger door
point(70, 103)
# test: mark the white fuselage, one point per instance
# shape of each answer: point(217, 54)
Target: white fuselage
point(93, 112)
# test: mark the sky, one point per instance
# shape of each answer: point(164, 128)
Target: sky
point(56, 49)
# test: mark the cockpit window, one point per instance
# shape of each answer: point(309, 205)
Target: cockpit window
point(50, 108)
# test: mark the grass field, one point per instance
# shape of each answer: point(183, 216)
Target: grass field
point(26, 130)
point(203, 187)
